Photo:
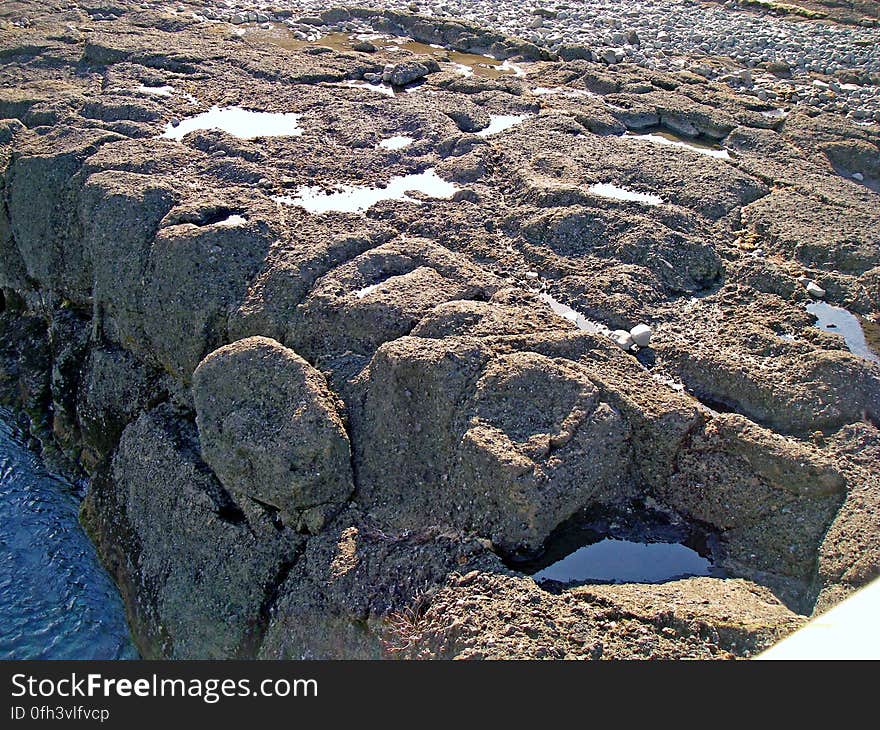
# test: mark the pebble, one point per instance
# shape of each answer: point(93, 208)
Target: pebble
point(622, 339)
point(641, 335)
point(667, 35)
point(814, 290)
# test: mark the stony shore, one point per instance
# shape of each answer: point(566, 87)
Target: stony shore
point(319, 433)
point(792, 59)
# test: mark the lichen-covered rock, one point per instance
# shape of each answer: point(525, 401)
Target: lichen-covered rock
point(196, 276)
point(854, 156)
point(354, 579)
point(114, 388)
point(292, 267)
point(771, 500)
point(13, 273)
point(817, 230)
point(698, 618)
point(120, 212)
point(42, 190)
point(25, 363)
point(786, 385)
point(679, 261)
point(382, 294)
point(508, 446)
point(540, 445)
point(478, 418)
point(271, 430)
point(68, 338)
point(158, 502)
point(407, 72)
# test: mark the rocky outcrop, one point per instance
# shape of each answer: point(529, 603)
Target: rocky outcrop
point(509, 445)
point(270, 429)
point(354, 578)
point(335, 434)
point(209, 604)
point(694, 619)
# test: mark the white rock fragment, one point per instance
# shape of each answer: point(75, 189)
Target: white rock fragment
point(531, 275)
point(814, 290)
point(641, 335)
point(622, 339)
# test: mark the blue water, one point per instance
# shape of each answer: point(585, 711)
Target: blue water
point(838, 320)
point(56, 600)
point(624, 561)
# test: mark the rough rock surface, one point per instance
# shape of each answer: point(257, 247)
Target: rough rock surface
point(209, 604)
point(337, 434)
point(510, 616)
point(270, 430)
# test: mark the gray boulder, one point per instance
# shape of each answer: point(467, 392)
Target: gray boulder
point(407, 72)
point(270, 429)
point(508, 446)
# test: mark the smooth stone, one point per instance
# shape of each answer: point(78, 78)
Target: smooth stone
point(622, 339)
point(641, 335)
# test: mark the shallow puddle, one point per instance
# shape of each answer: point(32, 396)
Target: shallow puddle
point(242, 123)
point(624, 561)
point(361, 293)
point(669, 382)
point(615, 192)
point(671, 140)
point(562, 91)
point(384, 89)
point(469, 64)
point(398, 142)
point(838, 320)
point(358, 198)
point(633, 544)
point(155, 90)
point(232, 221)
point(501, 122)
point(576, 318)
point(859, 178)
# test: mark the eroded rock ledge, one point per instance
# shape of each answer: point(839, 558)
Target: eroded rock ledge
point(331, 435)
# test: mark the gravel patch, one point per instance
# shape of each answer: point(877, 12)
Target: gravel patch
point(831, 67)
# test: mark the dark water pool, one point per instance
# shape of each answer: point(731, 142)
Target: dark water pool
point(838, 320)
point(56, 600)
point(625, 561)
point(633, 544)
